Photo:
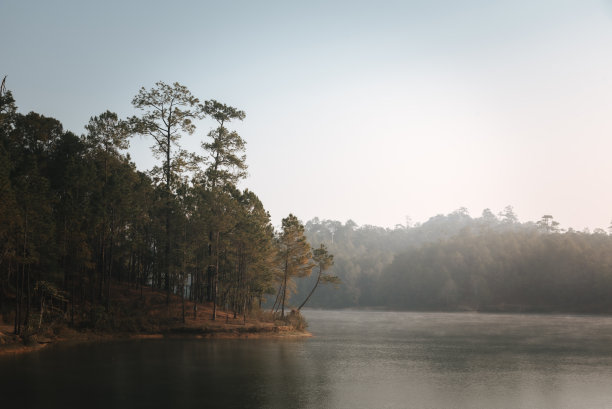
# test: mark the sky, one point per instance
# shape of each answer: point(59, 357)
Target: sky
point(377, 112)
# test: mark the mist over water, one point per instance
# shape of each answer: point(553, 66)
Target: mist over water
point(355, 360)
point(466, 360)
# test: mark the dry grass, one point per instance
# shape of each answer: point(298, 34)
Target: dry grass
point(149, 316)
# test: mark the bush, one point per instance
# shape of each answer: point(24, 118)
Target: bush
point(296, 320)
point(262, 315)
point(101, 320)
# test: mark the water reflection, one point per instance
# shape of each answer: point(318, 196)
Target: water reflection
point(356, 360)
point(476, 360)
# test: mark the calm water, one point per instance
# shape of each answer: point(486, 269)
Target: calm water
point(357, 360)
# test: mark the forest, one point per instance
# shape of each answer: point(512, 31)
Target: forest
point(76, 216)
point(456, 262)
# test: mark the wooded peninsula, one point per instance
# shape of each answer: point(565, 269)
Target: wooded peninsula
point(88, 242)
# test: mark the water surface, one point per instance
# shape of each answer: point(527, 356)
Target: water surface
point(356, 360)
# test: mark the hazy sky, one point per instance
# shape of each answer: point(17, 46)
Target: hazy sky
point(366, 110)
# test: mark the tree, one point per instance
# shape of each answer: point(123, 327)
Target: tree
point(254, 244)
point(107, 134)
point(3, 86)
point(294, 259)
point(224, 209)
point(508, 216)
point(226, 167)
point(74, 180)
point(548, 224)
point(488, 217)
point(7, 105)
point(29, 145)
point(324, 261)
point(228, 162)
point(168, 113)
point(9, 215)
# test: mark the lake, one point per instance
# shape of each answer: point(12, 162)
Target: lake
point(356, 359)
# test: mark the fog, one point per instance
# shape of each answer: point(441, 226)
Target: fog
point(357, 110)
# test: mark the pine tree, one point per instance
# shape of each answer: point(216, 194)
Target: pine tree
point(294, 259)
point(226, 166)
point(106, 136)
point(168, 113)
point(324, 261)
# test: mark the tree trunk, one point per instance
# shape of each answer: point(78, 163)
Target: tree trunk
point(285, 285)
point(72, 299)
point(28, 305)
point(311, 291)
point(168, 194)
point(18, 275)
point(42, 311)
point(183, 301)
point(216, 279)
point(277, 300)
point(103, 261)
point(110, 260)
point(20, 288)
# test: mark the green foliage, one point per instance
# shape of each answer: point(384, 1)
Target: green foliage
point(107, 133)
point(456, 262)
point(49, 291)
point(322, 258)
point(168, 112)
point(294, 259)
point(295, 320)
point(76, 215)
point(226, 161)
point(324, 261)
point(521, 270)
point(101, 319)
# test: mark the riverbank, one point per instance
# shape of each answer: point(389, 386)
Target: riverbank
point(144, 314)
point(11, 344)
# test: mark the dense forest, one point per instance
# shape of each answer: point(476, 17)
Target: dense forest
point(456, 262)
point(76, 215)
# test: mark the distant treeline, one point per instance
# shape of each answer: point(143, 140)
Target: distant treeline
point(76, 214)
point(456, 262)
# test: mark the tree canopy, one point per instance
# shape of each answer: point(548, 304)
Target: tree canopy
point(76, 215)
point(456, 262)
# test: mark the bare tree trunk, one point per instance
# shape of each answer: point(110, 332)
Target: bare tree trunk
point(184, 268)
point(276, 301)
point(183, 299)
point(216, 280)
point(18, 274)
point(110, 260)
point(28, 305)
point(168, 193)
point(311, 291)
point(103, 257)
point(42, 311)
point(285, 287)
point(72, 299)
point(244, 308)
point(19, 299)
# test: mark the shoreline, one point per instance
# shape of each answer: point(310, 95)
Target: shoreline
point(138, 314)
point(16, 345)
